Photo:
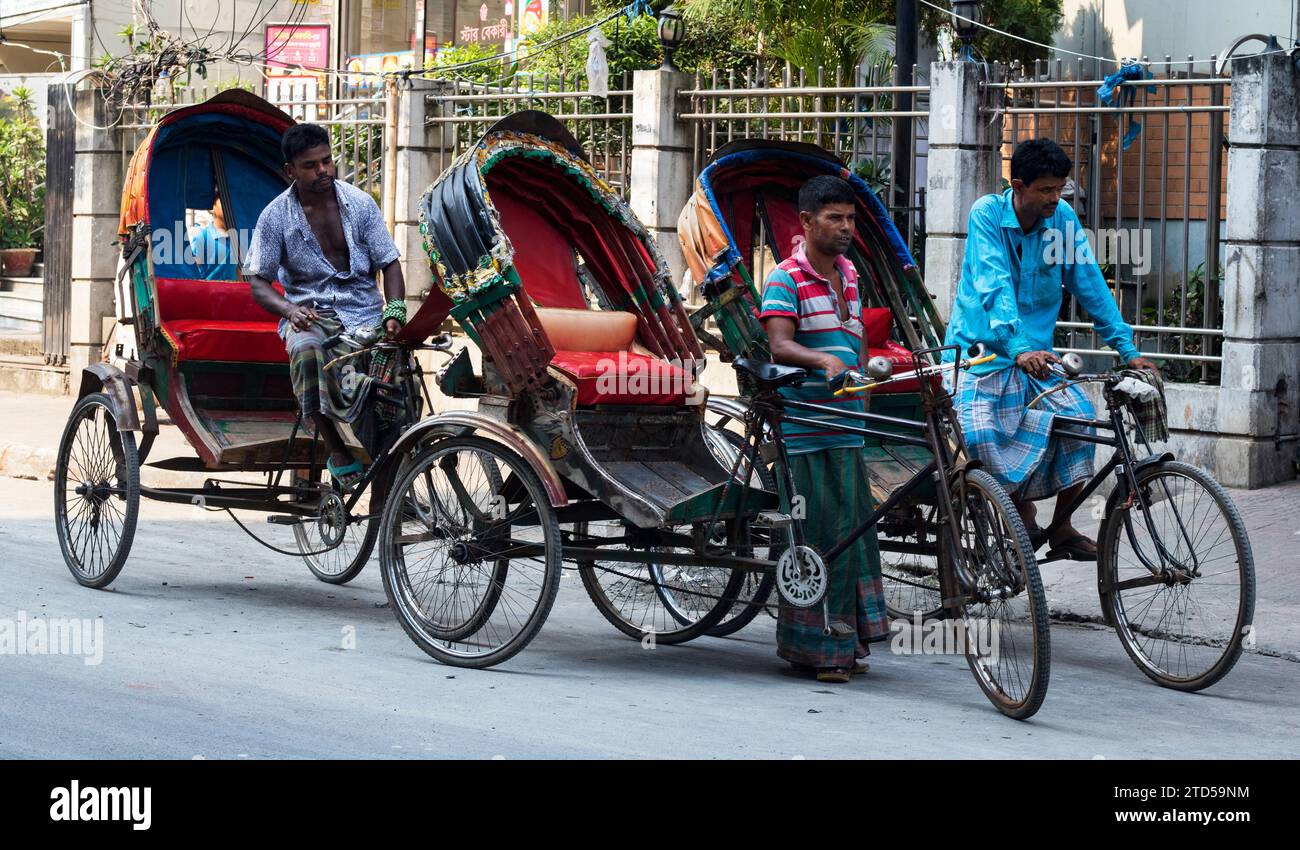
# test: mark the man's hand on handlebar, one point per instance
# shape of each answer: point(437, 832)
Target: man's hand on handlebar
point(1142, 363)
point(391, 327)
point(1037, 363)
point(834, 366)
point(302, 317)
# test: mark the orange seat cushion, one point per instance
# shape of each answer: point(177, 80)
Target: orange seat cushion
point(623, 377)
point(237, 341)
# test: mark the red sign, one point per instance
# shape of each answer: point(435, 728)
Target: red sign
point(300, 45)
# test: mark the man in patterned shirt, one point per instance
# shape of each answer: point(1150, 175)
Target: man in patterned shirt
point(812, 315)
point(324, 241)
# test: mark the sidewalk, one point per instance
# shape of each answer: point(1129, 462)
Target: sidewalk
point(31, 426)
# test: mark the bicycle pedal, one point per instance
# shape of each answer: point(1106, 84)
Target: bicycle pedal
point(767, 452)
point(284, 519)
point(771, 519)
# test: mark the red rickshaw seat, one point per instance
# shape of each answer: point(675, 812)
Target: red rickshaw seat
point(218, 320)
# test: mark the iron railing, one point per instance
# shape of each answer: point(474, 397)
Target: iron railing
point(854, 121)
point(464, 111)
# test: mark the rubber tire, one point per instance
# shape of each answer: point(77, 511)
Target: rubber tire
point(763, 591)
point(1107, 548)
point(130, 466)
point(688, 631)
point(550, 529)
point(1037, 598)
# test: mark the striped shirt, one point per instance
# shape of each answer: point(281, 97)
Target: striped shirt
point(794, 290)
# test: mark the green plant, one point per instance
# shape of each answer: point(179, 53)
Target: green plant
point(443, 67)
point(875, 173)
point(1194, 292)
point(22, 173)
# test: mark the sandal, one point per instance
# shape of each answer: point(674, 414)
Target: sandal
point(1072, 548)
point(346, 476)
point(834, 675)
point(1037, 537)
point(860, 667)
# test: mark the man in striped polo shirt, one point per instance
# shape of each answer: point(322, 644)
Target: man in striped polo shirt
point(812, 316)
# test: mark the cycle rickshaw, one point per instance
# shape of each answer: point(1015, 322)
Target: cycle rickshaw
point(191, 340)
point(1175, 572)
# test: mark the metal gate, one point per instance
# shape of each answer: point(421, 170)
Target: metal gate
point(60, 153)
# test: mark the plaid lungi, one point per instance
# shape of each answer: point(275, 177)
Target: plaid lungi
point(1014, 443)
point(837, 497)
point(340, 393)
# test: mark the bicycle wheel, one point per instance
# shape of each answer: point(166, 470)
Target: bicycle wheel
point(756, 589)
point(1184, 626)
point(96, 493)
point(672, 603)
point(909, 562)
point(335, 548)
point(470, 552)
point(1003, 609)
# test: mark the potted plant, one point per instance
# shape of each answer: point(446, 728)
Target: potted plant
point(22, 184)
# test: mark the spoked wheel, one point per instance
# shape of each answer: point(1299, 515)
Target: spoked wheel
point(335, 547)
point(909, 563)
point(1177, 577)
point(672, 603)
point(96, 493)
point(470, 552)
point(1003, 612)
point(756, 588)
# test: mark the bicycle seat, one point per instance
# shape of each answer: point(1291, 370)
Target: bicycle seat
point(770, 375)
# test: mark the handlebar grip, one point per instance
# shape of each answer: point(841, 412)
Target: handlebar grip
point(987, 358)
point(837, 383)
point(330, 341)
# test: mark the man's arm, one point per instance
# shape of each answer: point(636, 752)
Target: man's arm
point(1084, 280)
point(266, 296)
point(780, 318)
point(780, 334)
point(394, 290)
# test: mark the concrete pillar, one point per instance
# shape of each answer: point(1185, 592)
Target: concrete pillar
point(96, 204)
point(963, 165)
point(417, 167)
point(661, 159)
point(1258, 410)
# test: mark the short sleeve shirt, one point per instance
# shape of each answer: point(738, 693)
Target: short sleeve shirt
point(794, 290)
point(284, 248)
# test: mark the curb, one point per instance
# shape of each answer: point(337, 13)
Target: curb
point(17, 461)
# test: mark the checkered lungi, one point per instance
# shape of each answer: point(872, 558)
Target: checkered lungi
point(1014, 443)
point(339, 393)
point(837, 497)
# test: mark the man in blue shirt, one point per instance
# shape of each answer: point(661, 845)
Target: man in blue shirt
point(1023, 247)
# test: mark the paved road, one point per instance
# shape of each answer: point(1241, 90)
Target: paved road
point(214, 647)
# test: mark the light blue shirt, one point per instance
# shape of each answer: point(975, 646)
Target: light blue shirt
point(1009, 295)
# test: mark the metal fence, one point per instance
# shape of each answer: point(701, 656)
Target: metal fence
point(1153, 207)
point(358, 121)
point(855, 120)
point(602, 125)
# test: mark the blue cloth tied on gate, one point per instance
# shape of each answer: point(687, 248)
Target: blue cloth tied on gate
point(1111, 94)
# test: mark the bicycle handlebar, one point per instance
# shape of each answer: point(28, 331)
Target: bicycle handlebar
point(863, 383)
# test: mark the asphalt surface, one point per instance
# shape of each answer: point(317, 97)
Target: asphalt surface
point(214, 647)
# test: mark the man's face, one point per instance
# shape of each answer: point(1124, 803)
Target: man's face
point(313, 169)
point(830, 229)
point(1042, 195)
